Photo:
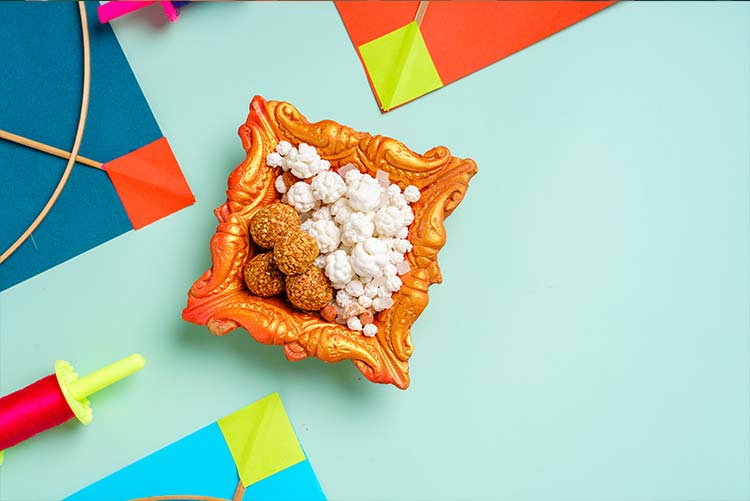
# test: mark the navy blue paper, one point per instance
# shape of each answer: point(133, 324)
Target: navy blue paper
point(41, 78)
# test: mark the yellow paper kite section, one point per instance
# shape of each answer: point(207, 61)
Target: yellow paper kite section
point(261, 439)
point(400, 66)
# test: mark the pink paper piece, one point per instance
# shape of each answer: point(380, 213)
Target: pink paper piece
point(346, 168)
point(403, 268)
point(382, 177)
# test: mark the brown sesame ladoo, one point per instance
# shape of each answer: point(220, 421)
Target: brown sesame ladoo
point(294, 252)
point(271, 222)
point(309, 291)
point(262, 276)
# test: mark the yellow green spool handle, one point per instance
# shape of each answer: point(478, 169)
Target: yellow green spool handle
point(77, 390)
point(106, 376)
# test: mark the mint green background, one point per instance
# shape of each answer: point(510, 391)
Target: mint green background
point(595, 295)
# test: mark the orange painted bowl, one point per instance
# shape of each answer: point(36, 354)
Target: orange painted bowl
point(220, 299)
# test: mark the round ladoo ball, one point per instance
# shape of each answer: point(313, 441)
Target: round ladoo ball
point(294, 252)
point(309, 291)
point(271, 222)
point(262, 276)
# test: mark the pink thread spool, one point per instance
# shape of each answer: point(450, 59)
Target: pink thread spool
point(115, 9)
point(57, 398)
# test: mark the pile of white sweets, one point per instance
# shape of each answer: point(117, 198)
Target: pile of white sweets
point(361, 226)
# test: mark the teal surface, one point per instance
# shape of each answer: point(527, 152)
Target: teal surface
point(590, 339)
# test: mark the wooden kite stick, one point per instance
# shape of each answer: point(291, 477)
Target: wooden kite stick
point(239, 494)
point(30, 143)
point(420, 12)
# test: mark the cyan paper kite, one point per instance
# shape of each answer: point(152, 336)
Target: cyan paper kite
point(250, 455)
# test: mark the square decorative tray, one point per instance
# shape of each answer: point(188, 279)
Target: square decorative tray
point(220, 299)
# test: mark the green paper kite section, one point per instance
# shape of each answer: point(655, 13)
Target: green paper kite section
point(261, 439)
point(400, 66)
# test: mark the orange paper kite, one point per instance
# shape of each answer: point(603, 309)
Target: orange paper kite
point(411, 48)
point(149, 183)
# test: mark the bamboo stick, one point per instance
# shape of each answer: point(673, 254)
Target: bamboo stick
point(30, 143)
point(420, 12)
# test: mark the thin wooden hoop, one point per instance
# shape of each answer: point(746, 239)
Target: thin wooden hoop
point(239, 493)
point(76, 144)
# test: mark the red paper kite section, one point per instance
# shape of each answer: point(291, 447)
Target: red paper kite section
point(366, 21)
point(150, 183)
point(463, 37)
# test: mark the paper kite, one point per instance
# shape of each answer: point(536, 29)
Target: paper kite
point(251, 454)
point(140, 180)
point(411, 48)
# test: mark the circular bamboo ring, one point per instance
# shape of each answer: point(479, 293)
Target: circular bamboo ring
point(76, 143)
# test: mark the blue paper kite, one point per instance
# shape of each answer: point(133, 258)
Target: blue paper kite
point(41, 68)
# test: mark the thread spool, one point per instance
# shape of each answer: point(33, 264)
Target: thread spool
point(56, 399)
point(113, 10)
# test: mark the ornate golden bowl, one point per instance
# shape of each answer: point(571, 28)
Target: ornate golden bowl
point(219, 298)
